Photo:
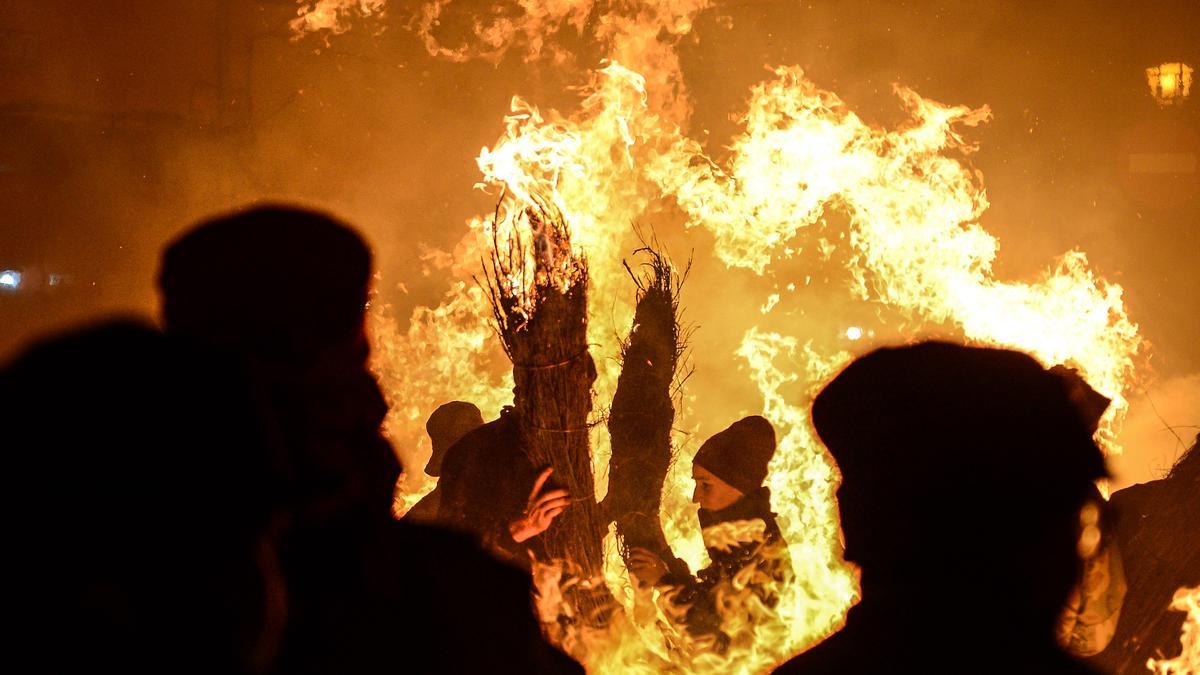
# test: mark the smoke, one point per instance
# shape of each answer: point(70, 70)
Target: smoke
point(1162, 423)
point(534, 25)
point(333, 16)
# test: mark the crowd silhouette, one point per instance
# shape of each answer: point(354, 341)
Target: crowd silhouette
point(218, 498)
point(215, 495)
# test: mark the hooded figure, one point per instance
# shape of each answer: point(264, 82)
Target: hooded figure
point(739, 530)
point(964, 473)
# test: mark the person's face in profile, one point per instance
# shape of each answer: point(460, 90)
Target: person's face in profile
point(712, 493)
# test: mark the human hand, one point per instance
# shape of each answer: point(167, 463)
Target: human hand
point(540, 509)
point(646, 566)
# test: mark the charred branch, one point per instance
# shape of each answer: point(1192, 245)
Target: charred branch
point(538, 292)
point(642, 411)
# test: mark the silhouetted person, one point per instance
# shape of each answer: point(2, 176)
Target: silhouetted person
point(1089, 620)
point(287, 290)
point(135, 520)
point(450, 422)
point(1157, 529)
point(964, 471)
point(491, 489)
point(739, 530)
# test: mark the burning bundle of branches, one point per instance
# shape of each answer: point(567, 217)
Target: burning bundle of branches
point(538, 290)
point(642, 410)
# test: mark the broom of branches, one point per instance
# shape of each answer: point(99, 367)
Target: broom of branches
point(642, 412)
point(1157, 562)
point(539, 300)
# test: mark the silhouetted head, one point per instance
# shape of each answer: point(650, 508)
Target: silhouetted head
point(280, 283)
point(138, 503)
point(733, 463)
point(960, 466)
point(1089, 403)
point(286, 289)
point(450, 422)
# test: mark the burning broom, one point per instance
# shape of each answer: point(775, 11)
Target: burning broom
point(538, 291)
point(642, 411)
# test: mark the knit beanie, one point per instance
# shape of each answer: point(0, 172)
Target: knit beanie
point(739, 455)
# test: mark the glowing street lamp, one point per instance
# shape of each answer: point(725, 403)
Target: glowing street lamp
point(1170, 83)
point(10, 280)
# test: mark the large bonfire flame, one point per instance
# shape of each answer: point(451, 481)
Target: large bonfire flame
point(912, 244)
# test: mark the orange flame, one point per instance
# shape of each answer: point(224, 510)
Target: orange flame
point(914, 245)
point(330, 15)
point(1188, 661)
point(917, 245)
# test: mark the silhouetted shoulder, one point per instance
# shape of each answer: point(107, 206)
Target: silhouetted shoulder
point(847, 654)
point(486, 439)
point(140, 503)
point(830, 656)
point(476, 609)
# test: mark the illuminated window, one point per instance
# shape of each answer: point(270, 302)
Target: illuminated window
point(1170, 83)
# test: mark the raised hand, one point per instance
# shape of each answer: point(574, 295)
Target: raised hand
point(540, 509)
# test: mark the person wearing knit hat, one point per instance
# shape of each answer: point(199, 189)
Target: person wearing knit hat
point(739, 530)
point(737, 458)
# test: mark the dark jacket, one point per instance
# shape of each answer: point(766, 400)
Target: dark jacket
point(884, 640)
point(426, 510)
point(485, 483)
point(408, 597)
point(1155, 531)
point(743, 540)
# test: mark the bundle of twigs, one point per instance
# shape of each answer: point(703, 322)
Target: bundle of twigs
point(538, 292)
point(642, 412)
point(1157, 562)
